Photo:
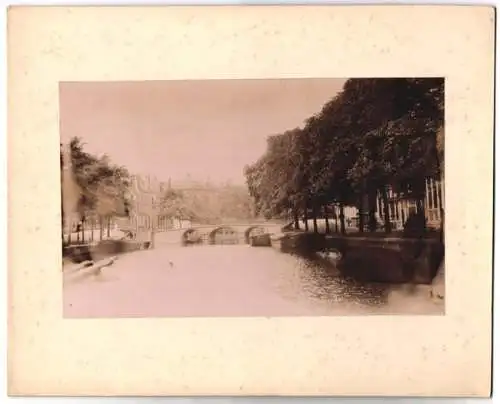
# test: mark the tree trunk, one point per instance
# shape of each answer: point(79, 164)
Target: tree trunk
point(101, 230)
point(109, 226)
point(440, 171)
point(387, 218)
point(315, 218)
point(306, 218)
point(361, 210)
point(372, 209)
point(296, 224)
point(327, 223)
point(83, 230)
point(421, 213)
point(336, 219)
point(419, 195)
point(92, 229)
point(342, 219)
point(70, 228)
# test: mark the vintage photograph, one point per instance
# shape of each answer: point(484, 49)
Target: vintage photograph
point(258, 197)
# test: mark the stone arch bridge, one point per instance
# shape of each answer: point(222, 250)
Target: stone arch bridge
point(224, 233)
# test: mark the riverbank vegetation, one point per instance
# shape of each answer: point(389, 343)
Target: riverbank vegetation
point(374, 136)
point(92, 188)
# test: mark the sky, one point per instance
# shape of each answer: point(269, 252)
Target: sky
point(202, 130)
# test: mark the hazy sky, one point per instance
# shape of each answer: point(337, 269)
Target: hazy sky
point(208, 129)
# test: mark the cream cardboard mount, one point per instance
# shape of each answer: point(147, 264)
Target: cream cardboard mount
point(385, 355)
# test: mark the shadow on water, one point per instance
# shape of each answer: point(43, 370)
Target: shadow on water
point(323, 281)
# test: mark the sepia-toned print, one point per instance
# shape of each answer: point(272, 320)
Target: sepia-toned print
point(269, 197)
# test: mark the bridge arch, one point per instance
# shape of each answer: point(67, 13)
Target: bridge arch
point(229, 233)
point(191, 236)
point(250, 229)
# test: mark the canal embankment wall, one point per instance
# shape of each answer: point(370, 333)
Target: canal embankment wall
point(372, 259)
point(103, 249)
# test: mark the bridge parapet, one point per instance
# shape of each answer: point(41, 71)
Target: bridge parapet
point(226, 233)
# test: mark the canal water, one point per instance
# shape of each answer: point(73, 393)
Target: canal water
point(233, 280)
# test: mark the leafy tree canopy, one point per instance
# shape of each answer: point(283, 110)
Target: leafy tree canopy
point(374, 133)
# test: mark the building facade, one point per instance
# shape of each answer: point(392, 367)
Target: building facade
point(400, 207)
point(145, 212)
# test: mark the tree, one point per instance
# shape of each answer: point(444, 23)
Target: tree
point(92, 186)
point(395, 130)
point(272, 180)
point(173, 204)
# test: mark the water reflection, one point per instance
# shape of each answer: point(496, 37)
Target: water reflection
point(322, 280)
